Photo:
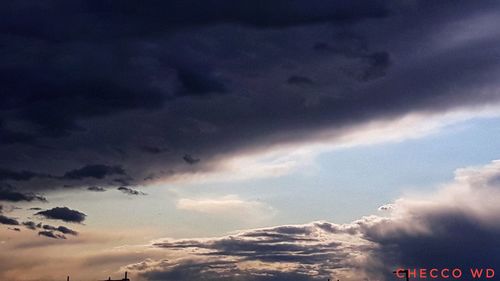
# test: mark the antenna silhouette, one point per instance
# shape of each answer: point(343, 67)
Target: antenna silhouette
point(123, 279)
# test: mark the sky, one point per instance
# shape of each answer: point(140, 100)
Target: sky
point(247, 140)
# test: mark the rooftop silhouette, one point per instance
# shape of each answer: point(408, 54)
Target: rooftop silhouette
point(125, 278)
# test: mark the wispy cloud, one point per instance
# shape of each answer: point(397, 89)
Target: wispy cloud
point(228, 208)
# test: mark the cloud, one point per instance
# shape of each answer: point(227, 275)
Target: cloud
point(378, 64)
point(151, 149)
point(299, 80)
point(229, 207)
point(354, 47)
point(130, 191)
point(64, 214)
point(197, 83)
point(96, 188)
point(61, 229)
point(6, 174)
point(51, 234)
point(457, 225)
point(66, 230)
point(15, 196)
point(181, 86)
point(49, 230)
point(9, 208)
point(88, 173)
point(31, 225)
point(13, 137)
point(261, 14)
point(8, 220)
point(190, 159)
point(386, 207)
point(300, 252)
point(94, 171)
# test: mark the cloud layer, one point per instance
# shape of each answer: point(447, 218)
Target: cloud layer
point(457, 226)
point(159, 89)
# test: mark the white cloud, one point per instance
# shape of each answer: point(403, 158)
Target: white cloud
point(229, 206)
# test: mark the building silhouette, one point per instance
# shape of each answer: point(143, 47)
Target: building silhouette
point(109, 278)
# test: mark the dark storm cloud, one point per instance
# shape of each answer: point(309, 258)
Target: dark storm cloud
point(59, 89)
point(197, 84)
point(130, 191)
point(64, 214)
point(261, 13)
point(8, 221)
point(299, 80)
point(133, 87)
point(6, 174)
point(14, 196)
point(94, 171)
point(378, 63)
point(151, 149)
point(12, 137)
point(445, 229)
